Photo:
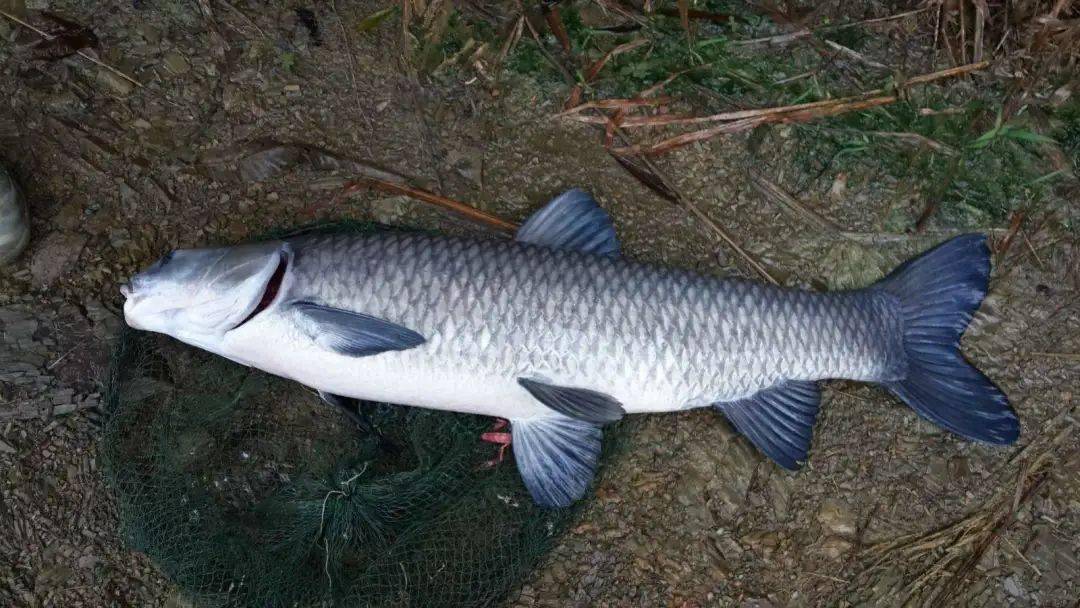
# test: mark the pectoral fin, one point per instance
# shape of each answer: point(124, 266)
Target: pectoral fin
point(352, 333)
point(556, 457)
point(778, 420)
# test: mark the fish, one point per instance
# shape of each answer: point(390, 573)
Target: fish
point(560, 334)
point(14, 219)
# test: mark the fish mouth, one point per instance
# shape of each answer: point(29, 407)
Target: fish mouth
point(270, 291)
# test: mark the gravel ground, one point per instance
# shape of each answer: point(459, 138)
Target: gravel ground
point(688, 514)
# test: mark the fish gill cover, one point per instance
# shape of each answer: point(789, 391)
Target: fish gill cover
point(247, 490)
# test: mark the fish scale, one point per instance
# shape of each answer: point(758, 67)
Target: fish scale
point(494, 307)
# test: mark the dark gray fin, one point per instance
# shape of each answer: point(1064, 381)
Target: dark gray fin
point(556, 457)
point(578, 403)
point(337, 400)
point(353, 409)
point(352, 333)
point(938, 292)
point(778, 420)
point(572, 221)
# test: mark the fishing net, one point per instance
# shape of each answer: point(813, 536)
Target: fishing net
point(248, 490)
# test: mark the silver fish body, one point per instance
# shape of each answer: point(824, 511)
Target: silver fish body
point(493, 311)
point(560, 335)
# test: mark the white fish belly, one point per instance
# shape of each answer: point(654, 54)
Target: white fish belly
point(413, 377)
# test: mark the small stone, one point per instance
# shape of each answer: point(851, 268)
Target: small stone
point(836, 517)
point(780, 493)
point(64, 102)
point(391, 210)
point(114, 82)
point(176, 63)
point(729, 549)
point(1013, 587)
point(149, 33)
point(87, 562)
point(292, 90)
point(63, 397)
point(834, 547)
point(141, 123)
point(54, 255)
point(838, 191)
point(763, 542)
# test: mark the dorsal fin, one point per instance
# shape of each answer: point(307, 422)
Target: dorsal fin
point(572, 221)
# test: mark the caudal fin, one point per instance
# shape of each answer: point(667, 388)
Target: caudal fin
point(938, 292)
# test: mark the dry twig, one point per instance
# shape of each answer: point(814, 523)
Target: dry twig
point(790, 36)
point(773, 192)
point(80, 52)
point(457, 207)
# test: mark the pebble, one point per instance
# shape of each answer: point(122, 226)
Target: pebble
point(835, 516)
point(115, 83)
point(834, 547)
point(55, 255)
point(1014, 588)
point(780, 485)
point(176, 63)
point(763, 542)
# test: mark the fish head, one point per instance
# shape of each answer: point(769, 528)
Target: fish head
point(199, 295)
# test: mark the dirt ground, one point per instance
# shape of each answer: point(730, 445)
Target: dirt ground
point(887, 507)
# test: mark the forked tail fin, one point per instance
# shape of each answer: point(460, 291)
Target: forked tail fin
point(938, 292)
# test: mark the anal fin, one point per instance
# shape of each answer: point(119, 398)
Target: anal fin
point(778, 420)
point(556, 457)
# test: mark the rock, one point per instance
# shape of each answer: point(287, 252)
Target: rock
point(141, 123)
point(780, 484)
point(689, 492)
point(105, 323)
point(730, 550)
point(834, 547)
point(149, 33)
point(836, 517)
point(52, 577)
point(115, 83)
point(763, 542)
point(391, 210)
point(56, 254)
point(1053, 556)
point(937, 473)
point(64, 102)
point(176, 63)
point(1013, 587)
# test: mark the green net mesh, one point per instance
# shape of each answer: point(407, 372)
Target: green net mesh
point(248, 490)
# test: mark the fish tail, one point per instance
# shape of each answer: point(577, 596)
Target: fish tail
point(939, 292)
